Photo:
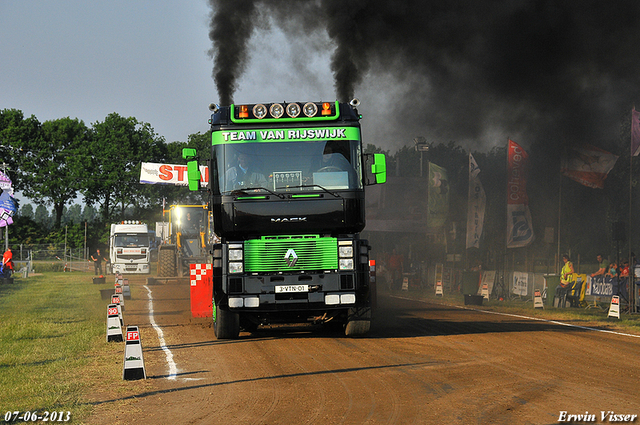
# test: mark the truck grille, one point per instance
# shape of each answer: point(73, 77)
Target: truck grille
point(132, 257)
point(268, 254)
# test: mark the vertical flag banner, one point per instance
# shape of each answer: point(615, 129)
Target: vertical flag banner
point(635, 132)
point(5, 184)
point(475, 206)
point(588, 165)
point(519, 227)
point(7, 206)
point(438, 196)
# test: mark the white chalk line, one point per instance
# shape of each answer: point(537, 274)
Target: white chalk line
point(173, 370)
point(555, 322)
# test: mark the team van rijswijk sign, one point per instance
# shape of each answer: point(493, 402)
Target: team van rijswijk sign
point(286, 135)
point(154, 173)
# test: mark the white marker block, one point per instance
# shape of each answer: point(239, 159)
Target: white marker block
point(133, 367)
point(114, 327)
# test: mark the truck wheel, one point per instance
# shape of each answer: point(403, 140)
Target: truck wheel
point(166, 263)
point(357, 327)
point(226, 324)
point(358, 322)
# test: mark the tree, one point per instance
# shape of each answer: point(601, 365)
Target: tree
point(41, 216)
point(88, 214)
point(50, 167)
point(73, 214)
point(117, 147)
point(26, 211)
point(25, 230)
point(16, 134)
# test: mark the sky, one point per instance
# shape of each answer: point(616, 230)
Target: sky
point(85, 60)
point(145, 59)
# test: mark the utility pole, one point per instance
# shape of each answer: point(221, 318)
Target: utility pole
point(422, 147)
point(4, 167)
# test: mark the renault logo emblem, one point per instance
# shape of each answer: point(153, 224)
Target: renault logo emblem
point(291, 257)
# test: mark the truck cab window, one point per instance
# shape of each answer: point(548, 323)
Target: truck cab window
point(280, 166)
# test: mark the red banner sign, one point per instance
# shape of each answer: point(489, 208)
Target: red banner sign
point(519, 226)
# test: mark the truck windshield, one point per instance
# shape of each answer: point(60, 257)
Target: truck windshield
point(131, 240)
point(286, 166)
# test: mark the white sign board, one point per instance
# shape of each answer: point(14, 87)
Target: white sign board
point(153, 173)
point(520, 282)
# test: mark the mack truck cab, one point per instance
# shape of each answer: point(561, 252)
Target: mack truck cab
point(286, 191)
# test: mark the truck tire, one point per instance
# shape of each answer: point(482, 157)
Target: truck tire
point(166, 262)
point(226, 324)
point(357, 328)
point(358, 322)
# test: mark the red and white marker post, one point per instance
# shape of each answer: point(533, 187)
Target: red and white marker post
point(114, 327)
point(133, 367)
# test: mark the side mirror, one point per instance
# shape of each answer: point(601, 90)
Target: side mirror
point(189, 153)
point(193, 168)
point(375, 168)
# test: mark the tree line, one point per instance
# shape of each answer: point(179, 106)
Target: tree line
point(55, 162)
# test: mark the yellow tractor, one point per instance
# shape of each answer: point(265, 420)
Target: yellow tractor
point(185, 237)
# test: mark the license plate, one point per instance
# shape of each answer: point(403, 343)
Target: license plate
point(291, 288)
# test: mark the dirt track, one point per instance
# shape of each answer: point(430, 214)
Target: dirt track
point(422, 363)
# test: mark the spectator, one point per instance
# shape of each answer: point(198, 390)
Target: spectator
point(612, 270)
point(567, 275)
point(602, 266)
point(7, 263)
point(396, 266)
point(624, 269)
point(97, 259)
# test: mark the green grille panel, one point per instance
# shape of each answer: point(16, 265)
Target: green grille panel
point(268, 253)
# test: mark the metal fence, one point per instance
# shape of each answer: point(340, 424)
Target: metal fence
point(70, 259)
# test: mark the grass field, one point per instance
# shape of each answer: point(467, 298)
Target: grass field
point(53, 349)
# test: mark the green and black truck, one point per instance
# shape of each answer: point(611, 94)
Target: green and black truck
point(286, 190)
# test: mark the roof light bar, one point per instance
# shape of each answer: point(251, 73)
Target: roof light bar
point(310, 109)
point(259, 111)
point(276, 110)
point(293, 111)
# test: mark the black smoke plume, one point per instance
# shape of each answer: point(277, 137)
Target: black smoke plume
point(558, 71)
point(230, 30)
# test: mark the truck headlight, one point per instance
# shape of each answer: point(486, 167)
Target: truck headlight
point(235, 268)
point(235, 255)
point(345, 251)
point(346, 264)
point(345, 254)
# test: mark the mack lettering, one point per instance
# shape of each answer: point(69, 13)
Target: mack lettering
point(289, 220)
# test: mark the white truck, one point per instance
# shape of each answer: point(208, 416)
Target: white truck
point(129, 249)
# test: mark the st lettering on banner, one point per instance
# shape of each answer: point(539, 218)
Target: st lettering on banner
point(175, 174)
point(519, 227)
